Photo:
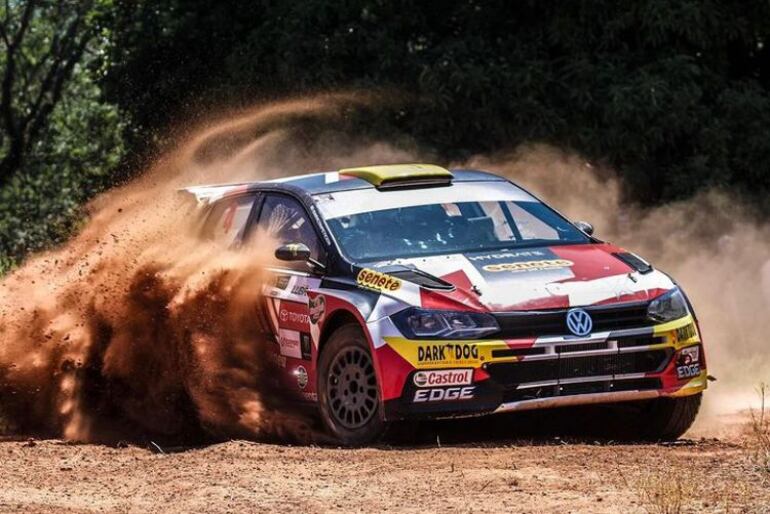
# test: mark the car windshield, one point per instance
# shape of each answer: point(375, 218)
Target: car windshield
point(374, 226)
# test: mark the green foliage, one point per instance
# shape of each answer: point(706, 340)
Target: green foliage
point(77, 145)
point(673, 94)
point(5, 266)
point(74, 160)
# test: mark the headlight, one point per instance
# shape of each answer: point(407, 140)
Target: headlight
point(417, 323)
point(669, 306)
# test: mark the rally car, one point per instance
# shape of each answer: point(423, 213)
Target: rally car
point(412, 291)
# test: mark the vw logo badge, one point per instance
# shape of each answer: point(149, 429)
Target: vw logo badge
point(579, 322)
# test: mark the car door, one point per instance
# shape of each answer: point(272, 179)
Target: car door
point(282, 220)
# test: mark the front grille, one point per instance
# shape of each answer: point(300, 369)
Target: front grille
point(554, 322)
point(602, 386)
point(509, 374)
point(629, 342)
point(581, 347)
point(517, 352)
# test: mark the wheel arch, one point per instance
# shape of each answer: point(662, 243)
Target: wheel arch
point(335, 320)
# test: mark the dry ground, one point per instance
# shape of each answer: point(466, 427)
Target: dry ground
point(699, 474)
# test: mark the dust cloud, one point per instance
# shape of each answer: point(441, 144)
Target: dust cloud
point(716, 250)
point(136, 327)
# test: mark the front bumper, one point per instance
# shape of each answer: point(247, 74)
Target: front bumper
point(537, 373)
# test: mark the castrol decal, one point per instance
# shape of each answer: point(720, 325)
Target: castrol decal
point(444, 377)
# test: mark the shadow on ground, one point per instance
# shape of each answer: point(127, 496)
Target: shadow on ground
point(594, 424)
point(602, 424)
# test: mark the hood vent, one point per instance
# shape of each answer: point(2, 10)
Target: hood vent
point(418, 277)
point(634, 261)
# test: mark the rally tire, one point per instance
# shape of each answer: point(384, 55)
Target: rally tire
point(348, 392)
point(666, 419)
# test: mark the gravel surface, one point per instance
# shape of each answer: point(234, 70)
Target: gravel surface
point(703, 474)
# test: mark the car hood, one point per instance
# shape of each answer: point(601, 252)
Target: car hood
point(546, 277)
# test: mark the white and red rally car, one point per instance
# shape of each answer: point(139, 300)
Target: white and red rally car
point(410, 291)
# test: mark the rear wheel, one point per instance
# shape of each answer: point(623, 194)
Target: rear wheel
point(348, 393)
point(666, 419)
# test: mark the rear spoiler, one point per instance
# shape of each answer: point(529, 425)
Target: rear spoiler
point(205, 195)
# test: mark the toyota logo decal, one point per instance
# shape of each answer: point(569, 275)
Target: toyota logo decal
point(579, 322)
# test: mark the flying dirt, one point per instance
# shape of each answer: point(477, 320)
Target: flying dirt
point(136, 327)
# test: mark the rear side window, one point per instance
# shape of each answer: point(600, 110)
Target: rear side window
point(227, 219)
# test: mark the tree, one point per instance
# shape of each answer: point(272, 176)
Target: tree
point(41, 42)
point(673, 94)
point(60, 143)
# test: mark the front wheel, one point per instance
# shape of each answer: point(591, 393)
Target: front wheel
point(666, 419)
point(348, 395)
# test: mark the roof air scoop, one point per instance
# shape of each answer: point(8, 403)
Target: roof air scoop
point(392, 176)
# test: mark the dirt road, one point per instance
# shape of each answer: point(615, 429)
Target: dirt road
point(541, 475)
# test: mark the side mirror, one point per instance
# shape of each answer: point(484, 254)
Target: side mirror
point(293, 252)
point(585, 227)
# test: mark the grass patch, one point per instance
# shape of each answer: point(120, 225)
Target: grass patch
point(759, 432)
point(665, 492)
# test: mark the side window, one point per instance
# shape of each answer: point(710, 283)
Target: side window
point(227, 219)
point(284, 220)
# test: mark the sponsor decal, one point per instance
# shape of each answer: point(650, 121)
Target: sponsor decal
point(294, 248)
point(301, 373)
point(227, 219)
point(535, 263)
point(514, 267)
point(376, 281)
point(579, 322)
point(688, 363)
point(686, 332)
point(282, 281)
point(288, 316)
point(444, 394)
point(305, 346)
point(689, 371)
point(317, 309)
point(299, 290)
point(311, 397)
point(288, 340)
point(447, 353)
point(443, 377)
point(455, 354)
point(508, 255)
point(293, 315)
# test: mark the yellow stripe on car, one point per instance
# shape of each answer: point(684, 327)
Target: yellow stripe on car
point(446, 354)
point(679, 333)
point(379, 175)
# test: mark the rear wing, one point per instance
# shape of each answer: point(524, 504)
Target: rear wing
point(204, 195)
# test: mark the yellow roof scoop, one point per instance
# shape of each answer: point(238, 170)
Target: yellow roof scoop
point(395, 175)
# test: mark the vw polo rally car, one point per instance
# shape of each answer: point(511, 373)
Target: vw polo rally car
point(412, 291)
